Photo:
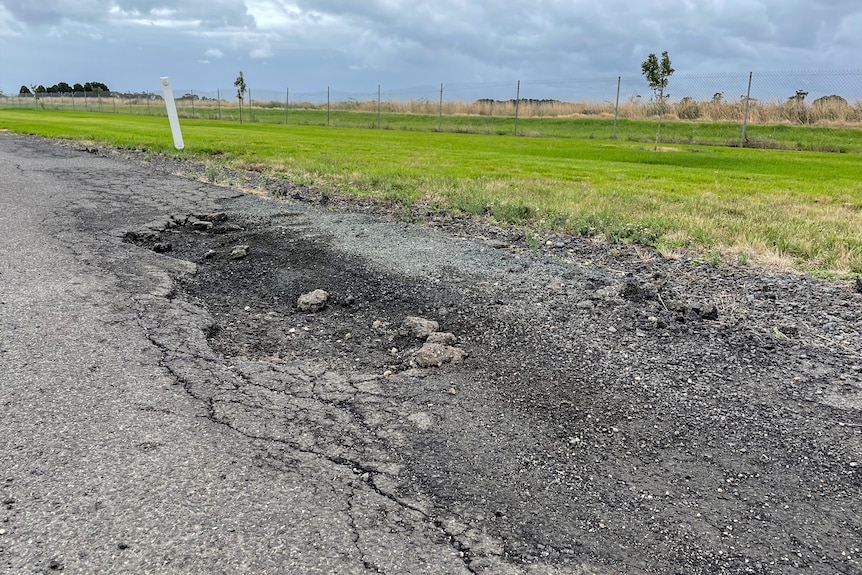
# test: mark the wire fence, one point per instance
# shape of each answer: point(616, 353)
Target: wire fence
point(722, 108)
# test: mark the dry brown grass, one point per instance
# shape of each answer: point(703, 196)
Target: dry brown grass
point(831, 113)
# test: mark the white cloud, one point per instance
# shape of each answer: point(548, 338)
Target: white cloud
point(165, 23)
point(213, 53)
point(261, 52)
point(162, 12)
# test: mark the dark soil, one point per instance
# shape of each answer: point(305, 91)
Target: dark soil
point(616, 411)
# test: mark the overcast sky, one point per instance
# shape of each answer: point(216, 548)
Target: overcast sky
point(354, 45)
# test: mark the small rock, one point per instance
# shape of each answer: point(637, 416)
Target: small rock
point(859, 285)
point(585, 304)
point(239, 252)
point(555, 285)
point(607, 293)
point(443, 338)
point(313, 301)
point(209, 254)
point(375, 324)
point(213, 217)
point(122, 546)
point(435, 355)
point(706, 311)
point(227, 229)
point(201, 225)
point(141, 235)
point(422, 420)
point(159, 225)
point(162, 247)
point(419, 327)
point(634, 291)
point(349, 301)
point(452, 391)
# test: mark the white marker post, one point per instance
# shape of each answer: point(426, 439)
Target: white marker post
point(172, 113)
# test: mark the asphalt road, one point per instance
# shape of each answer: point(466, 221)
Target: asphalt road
point(107, 464)
point(175, 413)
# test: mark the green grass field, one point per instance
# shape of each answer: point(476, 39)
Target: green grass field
point(499, 120)
point(744, 205)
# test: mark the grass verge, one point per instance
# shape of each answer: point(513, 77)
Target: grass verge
point(760, 205)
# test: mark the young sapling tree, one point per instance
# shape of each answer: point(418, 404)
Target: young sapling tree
point(239, 83)
point(657, 74)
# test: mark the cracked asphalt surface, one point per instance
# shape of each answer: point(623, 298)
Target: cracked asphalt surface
point(174, 412)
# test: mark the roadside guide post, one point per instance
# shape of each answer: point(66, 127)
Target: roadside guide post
point(174, 120)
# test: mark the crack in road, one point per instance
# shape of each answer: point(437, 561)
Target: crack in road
point(316, 378)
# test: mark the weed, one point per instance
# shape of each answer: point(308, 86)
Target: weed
point(534, 242)
point(559, 221)
point(474, 205)
point(212, 173)
point(712, 258)
point(512, 213)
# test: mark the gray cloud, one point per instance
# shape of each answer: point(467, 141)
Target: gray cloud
point(210, 13)
point(405, 43)
point(565, 37)
point(49, 12)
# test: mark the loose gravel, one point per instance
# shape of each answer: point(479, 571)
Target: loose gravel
point(612, 412)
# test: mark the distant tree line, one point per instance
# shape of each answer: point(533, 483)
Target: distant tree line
point(63, 87)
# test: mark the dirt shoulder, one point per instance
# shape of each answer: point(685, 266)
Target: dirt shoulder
point(605, 410)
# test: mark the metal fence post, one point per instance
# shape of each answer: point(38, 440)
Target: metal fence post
point(617, 108)
point(747, 107)
point(440, 110)
point(517, 105)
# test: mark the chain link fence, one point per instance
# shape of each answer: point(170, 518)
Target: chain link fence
point(731, 109)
